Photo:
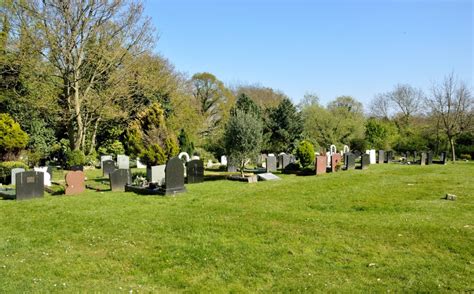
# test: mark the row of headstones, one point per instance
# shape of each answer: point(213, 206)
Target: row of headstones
point(270, 162)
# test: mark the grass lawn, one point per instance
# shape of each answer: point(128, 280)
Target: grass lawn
point(381, 229)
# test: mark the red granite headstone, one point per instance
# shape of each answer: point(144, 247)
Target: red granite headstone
point(75, 183)
point(321, 161)
point(335, 160)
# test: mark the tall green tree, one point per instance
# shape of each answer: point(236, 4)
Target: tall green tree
point(285, 127)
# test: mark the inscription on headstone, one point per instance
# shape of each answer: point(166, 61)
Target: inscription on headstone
point(29, 185)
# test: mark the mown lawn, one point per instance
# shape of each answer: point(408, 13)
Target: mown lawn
point(381, 229)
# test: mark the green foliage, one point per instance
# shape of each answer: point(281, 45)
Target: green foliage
point(42, 137)
point(358, 144)
point(243, 138)
point(185, 144)
point(115, 147)
point(75, 157)
point(12, 137)
point(466, 156)
point(284, 127)
point(204, 155)
point(465, 144)
point(305, 153)
point(245, 104)
point(6, 169)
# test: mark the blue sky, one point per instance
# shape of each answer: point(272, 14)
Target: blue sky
point(332, 48)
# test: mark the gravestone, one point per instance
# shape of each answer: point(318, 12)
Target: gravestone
point(423, 158)
point(429, 158)
point(29, 185)
point(231, 168)
point(268, 177)
point(104, 158)
point(15, 171)
point(292, 158)
point(75, 183)
point(119, 178)
point(156, 174)
point(320, 165)
point(209, 164)
point(46, 177)
point(174, 177)
point(357, 153)
point(123, 162)
point(195, 171)
point(223, 160)
point(335, 161)
point(328, 159)
point(372, 156)
point(76, 168)
point(388, 156)
point(140, 164)
point(381, 158)
point(414, 156)
point(184, 155)
point(271, 164)
point(108, 167)
point(349, 161)
point(283, 160)
point(443, 157)
point(345, 149)
point(365, 161)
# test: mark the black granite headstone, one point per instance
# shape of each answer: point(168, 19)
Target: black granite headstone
point(29, 185)
point(388, 156)
point(174, 177)
point(119, 178)
point(76, 168)
point(429, 158)
point(364, 161)
point(443, 157)
point(381, 158)
point(349, 161)
point(195, 171)
point(108, 167)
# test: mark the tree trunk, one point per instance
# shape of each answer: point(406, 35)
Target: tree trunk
point(78, 118)
point(94, 134)
point(453, 153)
point(242, 166)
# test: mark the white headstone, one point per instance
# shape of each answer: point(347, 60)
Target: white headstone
point(14, 171)
point(46, 177)
point(123, 162)
point(372, 157)
point(158, 174)
point(268, 177)
point(209, 163)
point(104, 158)
point(328, 159)
point(223, 160)
point(195, 157)
point(140, 164)
point(185, 155)
point(332, 149)
point(345, 149)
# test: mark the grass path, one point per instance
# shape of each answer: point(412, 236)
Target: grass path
point(381, 229)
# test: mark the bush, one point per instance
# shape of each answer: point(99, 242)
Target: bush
point(305, 153)
point(6, 169)
point(466, 156)
point(12, 137)
point(204, 155)
point(75, 157)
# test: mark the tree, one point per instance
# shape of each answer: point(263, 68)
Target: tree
point(380, 106)
point(264, 97)
point(245, 104)
point(452, 101)
point(379, 134)
point(407, 99)
point(285, 127)
point(305, 153)
point(85, 42)
point(12, 137)
point(243, 138)
point(185, 144)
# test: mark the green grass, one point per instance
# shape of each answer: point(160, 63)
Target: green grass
point(381, 229)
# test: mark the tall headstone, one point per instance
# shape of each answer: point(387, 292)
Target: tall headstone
point(108, 167)
point(29, 185)
point(423, 158)
point(443, 157)
point(283, 160)
point(123, 162)
point(46, 177)
point(119, 178)
point(365, 161)
point(156, 174)
point(320, 165)
point(414, 156)
point(184, 156)
point(429, 158)
point(271, 164)
point(15, 171)
point(372, 156)
point(104, 158)
point(195, 171)
point(388, 156)
point(349, 161)
point(174, 177)
point(335, 161)
point(223, 160)
point(75, 183)
point(381, 158)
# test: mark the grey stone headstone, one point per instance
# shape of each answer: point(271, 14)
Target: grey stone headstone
point(414, 156)
point(349, 161)
point(108, 167)
point(29, 185)
point(156, 174)
point(429, 158)
point(364, 161)
point(231, 168)
point(119, 178)
point(357, 153)
point(271, 164)
point(283, 160)
point(423, 158)
point(381, 158)
point(104, 158)
point(195, 171)
point(123, 162)
point(268, 177)
point(15, 171)
point(174, 177)
point(444, 157)
point(388, 156)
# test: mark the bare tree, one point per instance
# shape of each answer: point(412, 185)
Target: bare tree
point(86, 41)
point(452, 101)
point(380, 106)
point(408, 100)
